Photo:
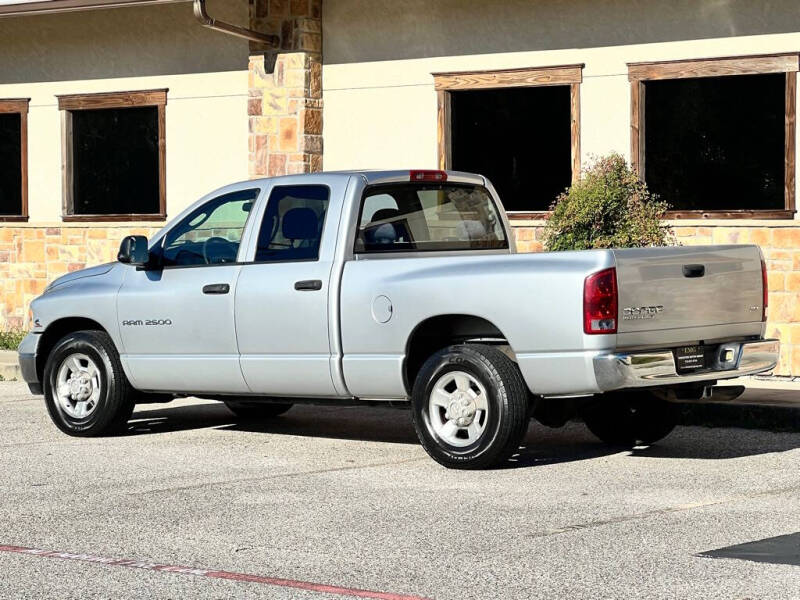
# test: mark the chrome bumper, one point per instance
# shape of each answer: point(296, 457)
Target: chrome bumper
point(647, 369)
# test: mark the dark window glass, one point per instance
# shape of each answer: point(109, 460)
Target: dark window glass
point(520, 138)
point(115, 161)
point(10, 164)
point(401, 218)
point(716, 143)
point(210, 234)
point(292, 224)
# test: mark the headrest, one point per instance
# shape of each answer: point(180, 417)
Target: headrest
point(300, 224)
point(384, 214)
point(385, 233)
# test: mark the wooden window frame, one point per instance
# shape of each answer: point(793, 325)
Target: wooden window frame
point(446, 83)
point(641, 72)
point(75, 102)
point(19, 106)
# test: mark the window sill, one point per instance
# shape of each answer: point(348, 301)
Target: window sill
point(677, 215)
point(515, 215)
point(111, 218)
point(13, 218)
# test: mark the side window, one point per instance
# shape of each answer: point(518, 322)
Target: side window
point(211, 234)
point(292, 224)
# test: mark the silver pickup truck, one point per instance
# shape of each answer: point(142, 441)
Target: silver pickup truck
point(395, 287)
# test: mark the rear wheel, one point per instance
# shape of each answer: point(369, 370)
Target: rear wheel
point(470, 407)
point(630, 419)
point(85, 389)
point(257, 410)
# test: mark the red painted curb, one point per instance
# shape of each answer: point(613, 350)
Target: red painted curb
point(211, 573)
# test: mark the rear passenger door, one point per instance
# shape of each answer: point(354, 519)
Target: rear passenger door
point(282, 299)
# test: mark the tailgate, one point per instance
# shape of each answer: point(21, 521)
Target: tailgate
point(688, 287)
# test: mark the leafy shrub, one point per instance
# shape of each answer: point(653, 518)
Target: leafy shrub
point(609, 207)
point(10, 340)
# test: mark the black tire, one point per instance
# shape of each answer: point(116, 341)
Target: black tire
point(506, 419)
point(257, 410)
point(116, 398)
point(630, 419)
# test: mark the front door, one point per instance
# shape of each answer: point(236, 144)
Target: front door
point(282, 297)
point(176, 320)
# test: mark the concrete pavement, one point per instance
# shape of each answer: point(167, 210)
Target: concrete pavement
point(346, 497)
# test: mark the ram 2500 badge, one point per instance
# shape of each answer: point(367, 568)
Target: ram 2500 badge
point(400, 287)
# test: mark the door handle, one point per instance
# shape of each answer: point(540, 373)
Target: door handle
point(694, 270)
point(216, 288)
point(308, 285)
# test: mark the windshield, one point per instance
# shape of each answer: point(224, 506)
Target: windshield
point(428, 217)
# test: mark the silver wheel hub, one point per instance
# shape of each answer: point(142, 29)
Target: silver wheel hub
point(78, 386)
point(458, 408)
point(462, 409)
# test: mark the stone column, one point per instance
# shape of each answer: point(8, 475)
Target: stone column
point(285, 89)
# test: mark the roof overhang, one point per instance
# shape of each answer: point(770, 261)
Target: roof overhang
point(10, 8)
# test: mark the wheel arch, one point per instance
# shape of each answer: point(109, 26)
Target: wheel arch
point(57, 330)
point(440, 331)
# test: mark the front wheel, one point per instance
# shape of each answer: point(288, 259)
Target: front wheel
point(85, 389)
point(631, 418)
point(470, 407)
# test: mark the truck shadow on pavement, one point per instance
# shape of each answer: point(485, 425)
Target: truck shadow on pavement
point(542, 445)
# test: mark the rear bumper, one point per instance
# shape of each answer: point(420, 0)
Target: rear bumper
point(648, 369)
point(27, 362)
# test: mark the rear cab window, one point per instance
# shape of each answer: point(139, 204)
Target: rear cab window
point(416, 217)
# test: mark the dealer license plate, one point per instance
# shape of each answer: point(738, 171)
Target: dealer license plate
point(690, 358)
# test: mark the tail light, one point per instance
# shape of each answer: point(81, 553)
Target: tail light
point(600, 302)
point(436, 176)
point(764, 291)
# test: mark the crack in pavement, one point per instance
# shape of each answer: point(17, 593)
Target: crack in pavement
point(20, 400)
point(41, 443)
point(660, 511)
point(277, 476)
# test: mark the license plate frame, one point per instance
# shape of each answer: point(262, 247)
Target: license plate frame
point(689, 359)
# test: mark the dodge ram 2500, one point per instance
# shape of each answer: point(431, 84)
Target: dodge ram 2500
point(398, 287)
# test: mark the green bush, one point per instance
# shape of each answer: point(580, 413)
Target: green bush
point(609, 207)
point(10, 340)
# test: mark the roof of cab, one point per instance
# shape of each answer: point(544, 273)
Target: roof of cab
point(376, 176)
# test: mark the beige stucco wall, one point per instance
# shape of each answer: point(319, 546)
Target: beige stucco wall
point(129, 49)
point(380, 105)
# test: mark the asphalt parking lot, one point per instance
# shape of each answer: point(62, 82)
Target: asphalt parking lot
point(345, 497)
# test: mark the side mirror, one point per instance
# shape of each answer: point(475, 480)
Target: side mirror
point(133, 250)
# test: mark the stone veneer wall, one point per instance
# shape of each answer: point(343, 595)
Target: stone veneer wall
point(781, 246)
point(285, 89)
point(32, 256)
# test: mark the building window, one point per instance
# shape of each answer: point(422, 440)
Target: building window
point(520, 128)
point(14, 160)
point(114, 156)
point(716, 138)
